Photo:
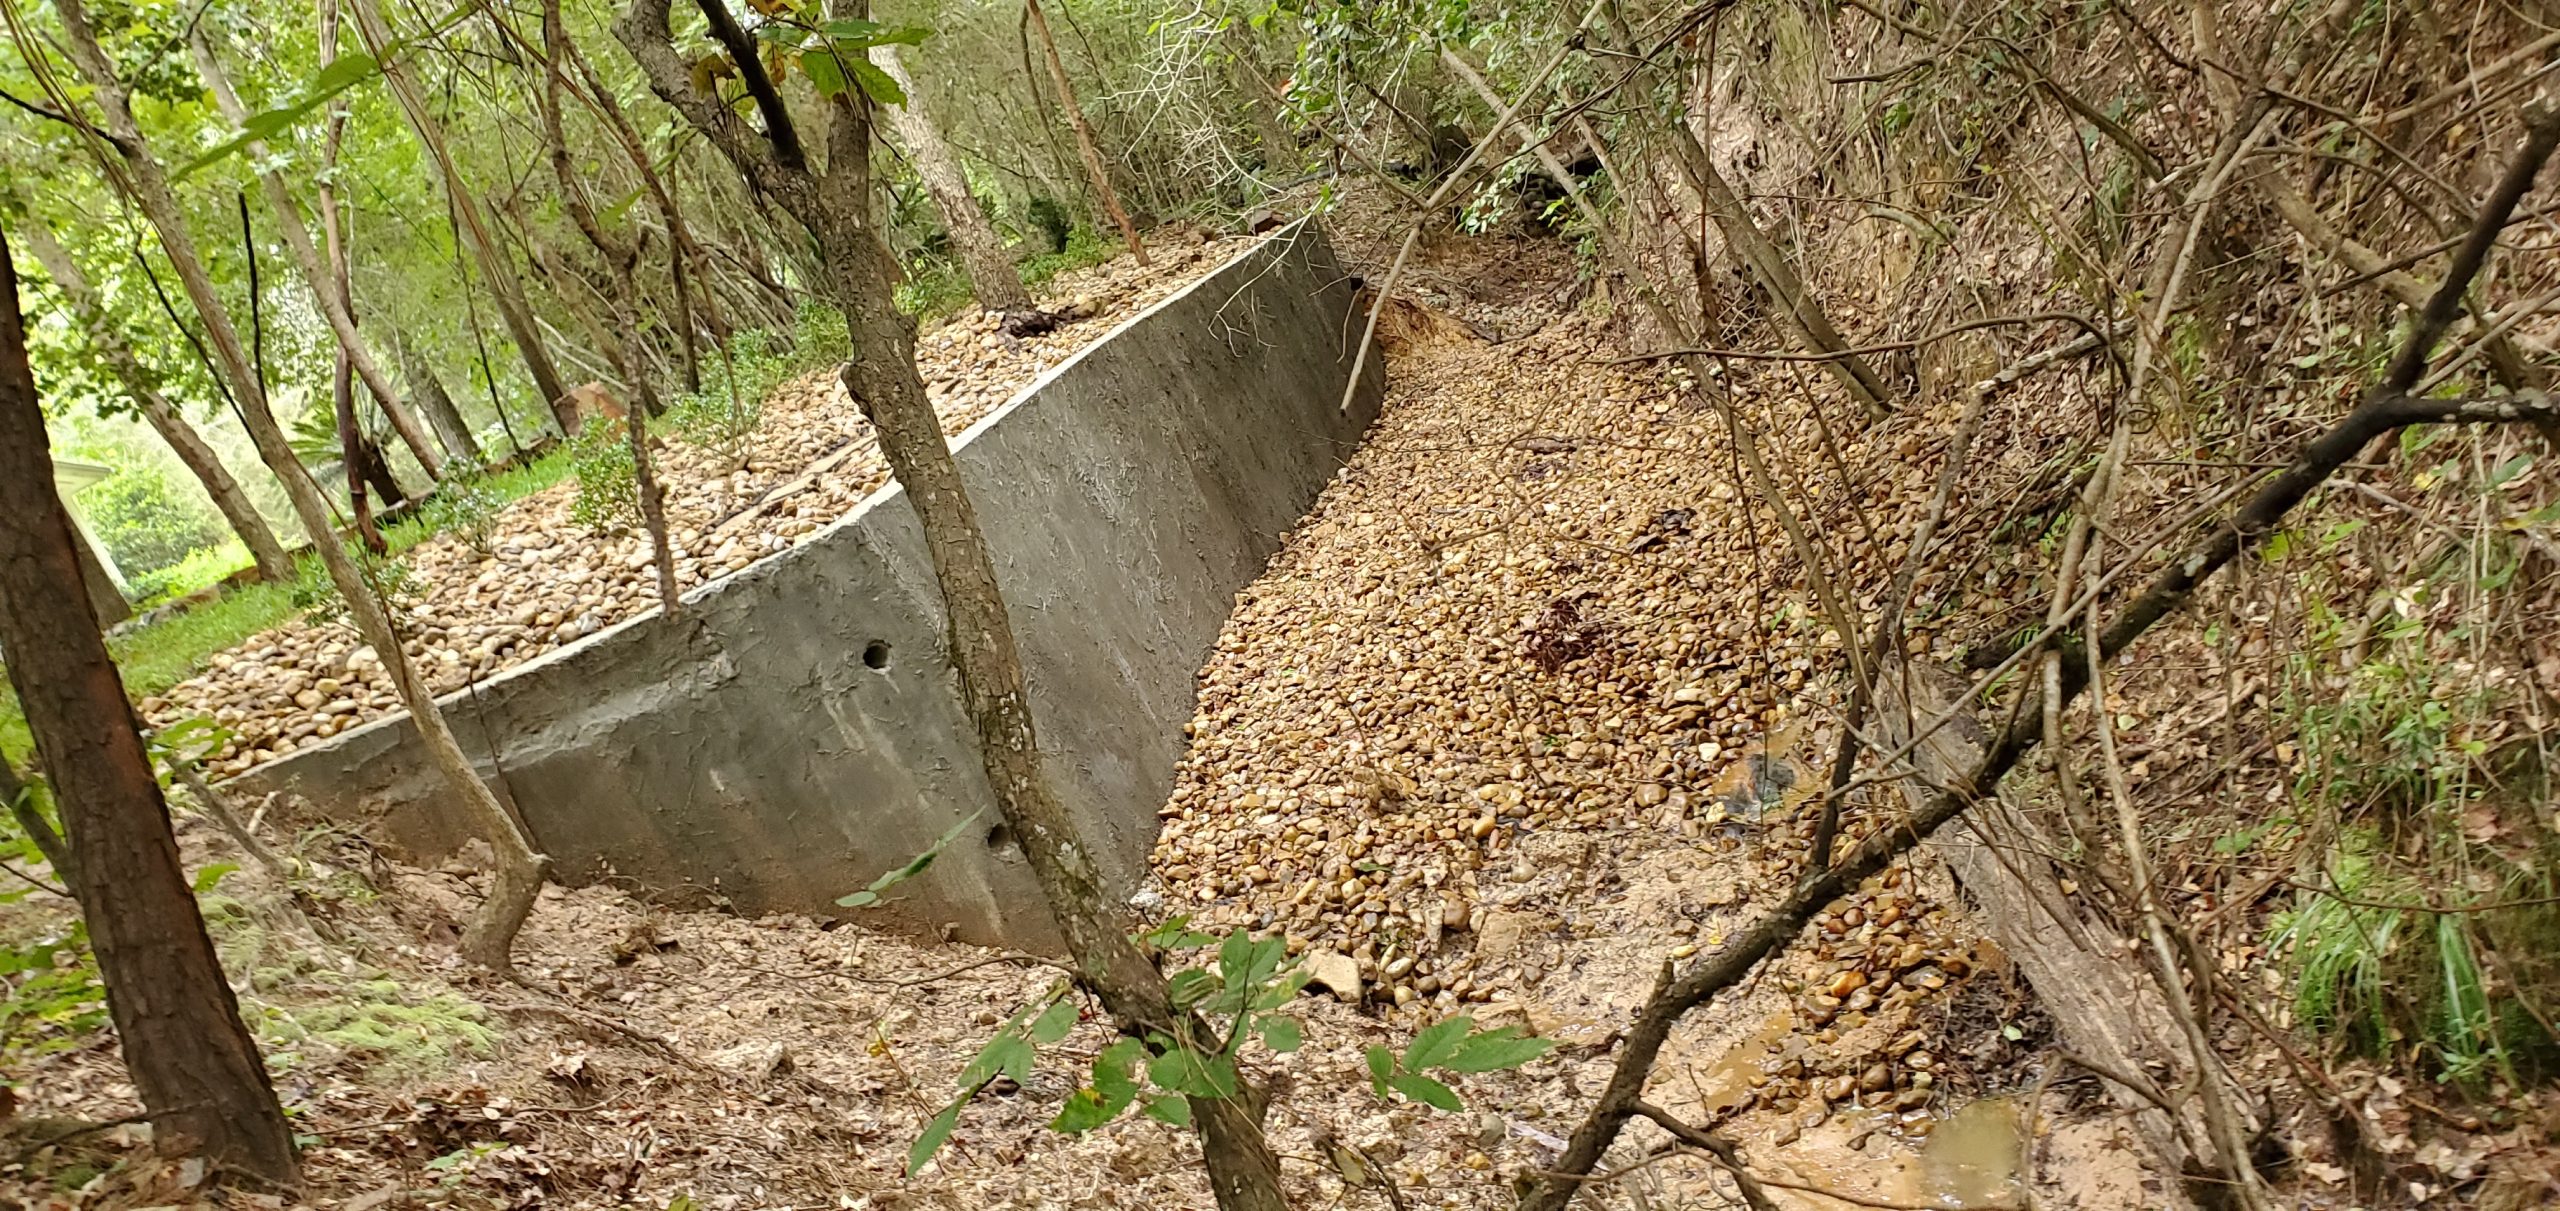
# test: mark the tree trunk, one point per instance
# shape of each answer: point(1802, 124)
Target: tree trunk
point(621, 257)
point(354, 454)
point(1760, 257)
point(190, 1056)
point(1084, 132)
point(992, 276)
point(274, 566)
point(139, 175)
point(436, 402)
point(833, 207)
point(504, 287)
point(335, 306)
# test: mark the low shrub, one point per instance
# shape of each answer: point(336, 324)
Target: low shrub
point(608, 495)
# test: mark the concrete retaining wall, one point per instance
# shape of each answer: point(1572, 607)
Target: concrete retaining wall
point(797, 730)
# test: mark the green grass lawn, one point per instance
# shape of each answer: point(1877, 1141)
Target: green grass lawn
point(169, 651)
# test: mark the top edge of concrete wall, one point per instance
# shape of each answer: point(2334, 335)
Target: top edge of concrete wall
point(795, 729)
point(889, 490)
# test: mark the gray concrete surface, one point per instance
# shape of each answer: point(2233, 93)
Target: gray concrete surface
point(797, 730)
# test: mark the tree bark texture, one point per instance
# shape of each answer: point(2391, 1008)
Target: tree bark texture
point(158, 411)
point(190, 1056)
point(992, 276)
point(1085, 146)
point(137, 172)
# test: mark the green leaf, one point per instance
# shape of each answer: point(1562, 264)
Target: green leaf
point(1496, 1051)
point(1190, 986)
point(1186, 1071)
point(1115, 1073)
point(936, 1133)
point(1169, 1108)
point(1055, 1023)
point(863, 35)
point(1284, 990)
point(211, 876)
point(852, 28)
point(1234, 955)
point(1427, 1091)
point(1176, 934)
point(783, 33)
point(1382, 1065)
point(1280, 1032)
point(1436, 1044)
point(823, 73)
point(2507, 471)
point(345, 72)
point(1084, 1110)
point(875, 82)
point(915, 866)
point(1007, 1052)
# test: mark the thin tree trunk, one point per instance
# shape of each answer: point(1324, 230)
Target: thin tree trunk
point(190, 1056)
point(1085, 145)
point(274, 566)
point(436, 402)
point(621, 257)
point(688, 262)
point(504, 287)
point(992, 276)
point(833, 207)
point(353, 454)
point(136, 172)
point(328, 290)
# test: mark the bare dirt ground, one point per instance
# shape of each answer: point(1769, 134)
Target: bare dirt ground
point(1518, 715)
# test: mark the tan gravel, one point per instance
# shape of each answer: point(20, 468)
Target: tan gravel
point(1526, 708)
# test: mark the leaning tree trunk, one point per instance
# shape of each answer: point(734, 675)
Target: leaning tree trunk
point(335, 306)
point(688, 264)
point(832, 205)
point(1085, 145)
point(128, 161)
point(992, 276)
point(621, 257)
point(353, 454)
point(189, 1054)
point(504, 286)
point(436, 402)
point(274, 566)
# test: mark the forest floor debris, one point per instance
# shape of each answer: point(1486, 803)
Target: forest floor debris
point(809, 461)
point(1501, 731)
